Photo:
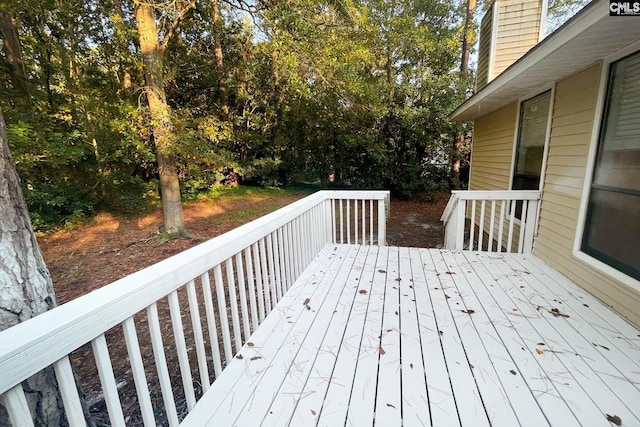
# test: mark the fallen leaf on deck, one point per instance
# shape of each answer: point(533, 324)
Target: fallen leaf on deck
point(411, 365)
point(306, 301)
point(256, 358)
point(602, 346)
point(381, 350)
point(539, 351)
point(250, 344)
point(391, 406)
point(313, 412)
point(239, 356)
point(541, 343)
point(381, 271)
point(441, 333)
point(450, 272)
point(556, 313)
point(513, 372)
point(308, 308)
point(362, 291)
point(614, 419)
point(586, 305)
point(470, 311)
point(398, 279)
point(446, 296)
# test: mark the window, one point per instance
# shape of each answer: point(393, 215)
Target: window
point(532, 135)
point(612, 226)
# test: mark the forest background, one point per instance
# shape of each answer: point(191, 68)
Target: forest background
point(101, 96)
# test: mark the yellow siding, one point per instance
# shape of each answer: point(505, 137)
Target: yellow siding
point(572, 123)
point(492, 149)
point(518, 31)
point(484, 49)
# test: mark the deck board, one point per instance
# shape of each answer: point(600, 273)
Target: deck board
point(394, 336)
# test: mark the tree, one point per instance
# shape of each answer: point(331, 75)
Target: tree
point(25, 284)
point(13, 53)
point(163, 137)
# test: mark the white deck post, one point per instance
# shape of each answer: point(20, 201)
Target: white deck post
point(460, 219)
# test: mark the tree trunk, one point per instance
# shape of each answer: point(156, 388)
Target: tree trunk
point(467, 42)
point(152, 60)
point(26, 286)
point(13, 53)
point(218, 26)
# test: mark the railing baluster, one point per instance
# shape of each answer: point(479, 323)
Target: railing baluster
point(233, 304)
point(512, 216)
point(17, 407)
point(371, 221)
point(259, 282)
point(69, 392)
point(109, 388)
point(348, 221)
point(491, 226)
point(251, 280)
point(333, 221)
point(341, 223)
point(279, 263)
point(472, 227)
point(501, 224)
point(481, 225)
point(273, 286)
point(161, 364)
point(532, 211)
point(364, 222)
point(242, 291)
point(382, 223)
point(181, 349)
point(523, 225)
point(211, 323)
point(287, 278)
point(137, 371)
point(266, 279)
point(201, 354)
point(355, 221)
point(222, 312)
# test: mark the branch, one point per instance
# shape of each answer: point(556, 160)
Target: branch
point(176, 23)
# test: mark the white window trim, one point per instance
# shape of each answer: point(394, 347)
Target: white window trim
point(591, 161)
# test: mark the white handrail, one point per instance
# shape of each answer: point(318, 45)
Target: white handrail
point(269, 252)
point(500, 226)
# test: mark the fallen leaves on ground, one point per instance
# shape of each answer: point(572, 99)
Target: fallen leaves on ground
point(614, 419)
point(381, 350)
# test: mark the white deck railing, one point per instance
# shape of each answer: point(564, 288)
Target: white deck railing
point(493, 225)
point(241, 275)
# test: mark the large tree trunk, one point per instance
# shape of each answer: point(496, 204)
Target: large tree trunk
point(218, 26)
point(26, 289)
point(13, 53)
point(152, 59)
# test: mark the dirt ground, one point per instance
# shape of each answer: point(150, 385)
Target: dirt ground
point(91, 256)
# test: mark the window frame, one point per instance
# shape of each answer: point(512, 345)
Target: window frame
point(601, 266)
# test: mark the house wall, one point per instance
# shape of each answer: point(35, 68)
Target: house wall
point(492, 148)
point(572, 123)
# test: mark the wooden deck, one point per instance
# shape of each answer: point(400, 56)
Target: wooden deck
point(393, 336)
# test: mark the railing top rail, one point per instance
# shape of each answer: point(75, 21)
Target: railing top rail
point(497, 194)
point(54, 334)
point(450, 208)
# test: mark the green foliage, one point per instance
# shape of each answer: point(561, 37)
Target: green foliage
point(358, 87)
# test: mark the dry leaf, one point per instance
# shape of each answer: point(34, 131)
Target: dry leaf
point(362, 291)
point(539, 351)
point(391, 406)
point(308, 308)
point(313, 412)
point(306, 302)
point(381, 350)
point(446, 296)
point(556, 313)
point(513, 372)
point(614, 419)
point(249, 344)
point(440, 332)
point(450, 272)
point(381, 271)
point(239, 356)
point(398, 279)
point(470, 311)
point(256, 358)
point(602, 346)
point(411, 365)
